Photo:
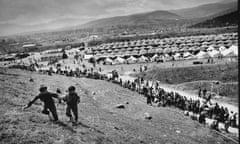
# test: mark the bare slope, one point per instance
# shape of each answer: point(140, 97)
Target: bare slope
point(191, 78)
point(220, 72)
point(136, 19)
point(230, 19)
point(206, 10)
point(100, 121)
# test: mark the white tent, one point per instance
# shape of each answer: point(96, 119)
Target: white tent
point(119, 60)
point(234, 49)
point(86, 57)
point(142, 59)
point(214, 53)
point(210, 48)
point(186, 54)
point(166, 57)
point(229, 53)
point(154, 57)
point(190, 57)
point(108, 61)
point(131, 59)
point(222, 48)
point(202, 55)
point(177, 56)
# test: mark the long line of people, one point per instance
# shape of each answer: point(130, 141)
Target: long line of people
point(198, 110)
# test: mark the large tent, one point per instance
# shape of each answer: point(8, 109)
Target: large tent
point(202, 55)
point(108, 61)
point(229, 53)
point(222, 48)
point(142, 59)
point(131, 59)
point(177, 55)
point(234, 49)
point(186, 54)
point(210, 48)
point(214, 53)
point(154, 57)
point(119, 60)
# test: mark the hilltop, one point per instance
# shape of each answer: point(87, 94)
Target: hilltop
point(206, 10)
point(154, 17)
point(230, 19)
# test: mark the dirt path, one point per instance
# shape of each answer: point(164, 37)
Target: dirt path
point(168, 88)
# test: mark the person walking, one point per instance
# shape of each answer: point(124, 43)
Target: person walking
point(72, 99)
point(200, 92)
point(47, 98)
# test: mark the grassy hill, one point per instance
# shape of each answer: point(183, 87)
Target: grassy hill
point(230, 19)
point(191, 78)
point(136, 19)
point(100, 121)
point(206, 10)
point(221, 72)
point(229, 90)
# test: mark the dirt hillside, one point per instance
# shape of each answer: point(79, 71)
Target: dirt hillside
point(100, 120)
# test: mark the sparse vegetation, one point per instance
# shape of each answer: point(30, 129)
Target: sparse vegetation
point(230, 19)
point(223, 72)
point(100, 121)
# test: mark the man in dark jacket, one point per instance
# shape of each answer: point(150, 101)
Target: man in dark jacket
point(72, 100)
point(47, 98)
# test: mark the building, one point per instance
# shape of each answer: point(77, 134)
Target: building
point(29, 47)
point(51, 56)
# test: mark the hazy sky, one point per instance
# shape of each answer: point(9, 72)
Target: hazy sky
point(32, 12)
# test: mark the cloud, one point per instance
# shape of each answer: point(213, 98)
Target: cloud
point(31, 12)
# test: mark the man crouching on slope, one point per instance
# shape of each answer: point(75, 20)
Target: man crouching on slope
point(72, 99)
point(47, 98)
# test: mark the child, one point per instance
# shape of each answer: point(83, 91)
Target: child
point(72, 99)
point(47, 98)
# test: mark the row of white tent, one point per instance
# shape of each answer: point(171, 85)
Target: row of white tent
point(227, 36)
point(211, 53)
point(230, 52)
point(131, 59)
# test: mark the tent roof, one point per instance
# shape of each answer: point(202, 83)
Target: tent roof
point(131, 58)
point(214, 53)
point(108, 60)
point(202, 54)
point(210, 48)
point(119, 60)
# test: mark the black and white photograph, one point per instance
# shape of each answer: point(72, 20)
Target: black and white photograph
point(119, 72)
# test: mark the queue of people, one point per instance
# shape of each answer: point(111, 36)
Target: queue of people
point(200, 110)
point(156, 95)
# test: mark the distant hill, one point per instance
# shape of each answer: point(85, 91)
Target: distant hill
point(230, 19)
point(207, 9)
point(136, 19)
point(181, 16)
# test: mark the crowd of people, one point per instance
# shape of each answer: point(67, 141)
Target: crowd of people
point(200, 110)
point(197, 109)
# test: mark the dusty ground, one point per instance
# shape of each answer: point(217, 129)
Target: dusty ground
point(218, 78)
point(153, 65)
point(226, 92)
point(100, 121)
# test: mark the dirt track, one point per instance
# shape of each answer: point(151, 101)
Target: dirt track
point(100, 121)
